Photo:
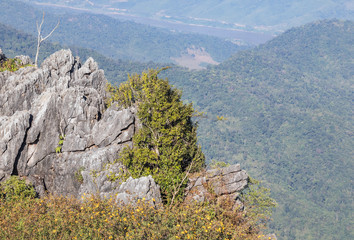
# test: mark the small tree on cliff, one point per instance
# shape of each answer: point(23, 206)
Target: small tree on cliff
point(166, 144)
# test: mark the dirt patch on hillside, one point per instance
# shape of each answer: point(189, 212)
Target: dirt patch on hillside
point(195, 58)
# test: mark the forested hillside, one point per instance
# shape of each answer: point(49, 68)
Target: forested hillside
point(114, 38)
point(289, 121)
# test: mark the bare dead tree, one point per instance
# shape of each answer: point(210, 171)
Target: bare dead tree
point(41, 38)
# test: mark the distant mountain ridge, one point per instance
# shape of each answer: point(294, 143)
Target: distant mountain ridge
point(14, 42)
point(114, 38)
point(264, 16)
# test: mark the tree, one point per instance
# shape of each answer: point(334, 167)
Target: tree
point(41, 38)
point(166, 144)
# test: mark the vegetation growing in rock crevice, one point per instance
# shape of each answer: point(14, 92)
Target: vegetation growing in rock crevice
point(166, 144)
point(11, 64)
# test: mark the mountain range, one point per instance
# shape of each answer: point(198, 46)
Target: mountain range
point(119, 39)
point(257, 16)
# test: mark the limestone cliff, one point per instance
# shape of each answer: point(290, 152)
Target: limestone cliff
point(56, 131)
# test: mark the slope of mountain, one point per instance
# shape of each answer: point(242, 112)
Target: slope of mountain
point(269, 15)
point(14, 42)
point(114, 38)
point(289, 120)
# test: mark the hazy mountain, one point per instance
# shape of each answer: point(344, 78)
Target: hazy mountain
point(259, 15)
point(117, 39)
point(14, 42)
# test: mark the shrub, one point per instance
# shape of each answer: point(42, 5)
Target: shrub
point(11, 65)
point(258, 203)
point(166, 144)
point(15, 188)
point(67, 218)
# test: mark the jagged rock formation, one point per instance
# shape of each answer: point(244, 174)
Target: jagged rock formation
point(222, 184)
point(56, 131)
point(25, 60)
point(63, 99)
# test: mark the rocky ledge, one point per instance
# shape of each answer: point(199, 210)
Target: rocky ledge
point(56, 131)
point(224, 184)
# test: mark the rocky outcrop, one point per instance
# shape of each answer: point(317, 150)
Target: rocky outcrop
point(224, 184)
point(143, 188)
point(56, 131)
point(61, 100)
point(24, 60)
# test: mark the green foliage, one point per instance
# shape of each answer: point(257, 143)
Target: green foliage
point(11, 65)
point(16, 189)
point(78, 175)
point(60, 144)
point(259, 205)
point(288, 105)
point(166, 144)
point(218, 164)
point(93, 218)
point(112, 176)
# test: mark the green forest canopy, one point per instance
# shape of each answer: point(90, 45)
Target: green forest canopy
point(288, 105)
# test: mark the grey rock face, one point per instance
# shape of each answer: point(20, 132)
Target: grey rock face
point(25, 60)
point(143, 188)
point(64, 99)
point(223, 183)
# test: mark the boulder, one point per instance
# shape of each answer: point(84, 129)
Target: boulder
point(144, 189)
point(25, 60)
point(224, 184)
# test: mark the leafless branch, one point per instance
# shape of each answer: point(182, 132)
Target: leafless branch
point(40, 37)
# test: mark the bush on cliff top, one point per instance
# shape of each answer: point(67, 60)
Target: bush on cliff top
point(166, 144)
point(11, 64)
